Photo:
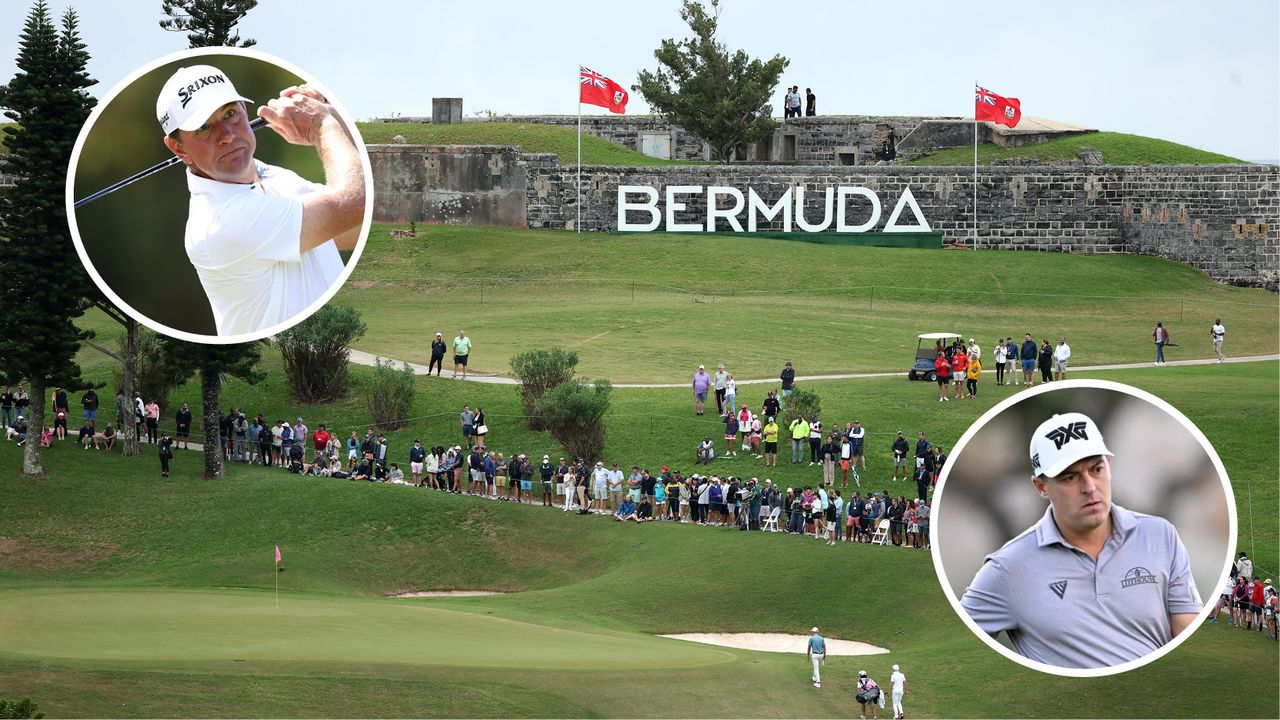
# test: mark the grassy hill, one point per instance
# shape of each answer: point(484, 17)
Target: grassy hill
point(99, 524)
point(633, 315)
point(1116, 148)
point(534, 138)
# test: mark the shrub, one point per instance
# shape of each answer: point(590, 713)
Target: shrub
point(538, 372)
point(24, 708)
point(574, 414)
point(316, 352)
point(391, 396)
point(803, 403)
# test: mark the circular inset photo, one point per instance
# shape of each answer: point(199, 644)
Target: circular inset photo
point(219, 195)
point(1083, 528)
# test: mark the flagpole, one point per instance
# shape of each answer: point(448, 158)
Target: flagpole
point(578, 204)
point(975, 174)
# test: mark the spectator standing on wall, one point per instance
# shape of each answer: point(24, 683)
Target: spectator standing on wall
point(810, 103)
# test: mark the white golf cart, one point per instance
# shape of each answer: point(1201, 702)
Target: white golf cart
point(927, 352)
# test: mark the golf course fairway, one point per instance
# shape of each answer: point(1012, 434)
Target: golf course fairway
point(228, 625)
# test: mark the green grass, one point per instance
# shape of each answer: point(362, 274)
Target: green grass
point(533, 138)
point(633, 315)
point(105, 538)
point(1116, 148)
point(99, 528)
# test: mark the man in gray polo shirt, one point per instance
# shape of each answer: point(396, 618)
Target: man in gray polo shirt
point(1091, 584)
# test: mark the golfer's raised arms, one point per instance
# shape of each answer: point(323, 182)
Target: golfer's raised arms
point(302, 116)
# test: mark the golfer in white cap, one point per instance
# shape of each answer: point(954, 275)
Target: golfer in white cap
point(898, 688)
point(817, 652)
point(263, 240)
point(1091, 584)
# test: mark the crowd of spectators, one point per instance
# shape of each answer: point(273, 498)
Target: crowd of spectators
point(1249, 601)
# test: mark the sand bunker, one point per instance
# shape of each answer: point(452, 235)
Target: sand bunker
point(778, 642)
point(446, 593)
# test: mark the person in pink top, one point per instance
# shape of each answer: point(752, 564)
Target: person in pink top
point(152, 415)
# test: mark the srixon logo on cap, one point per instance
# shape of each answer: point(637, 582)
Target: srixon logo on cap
point(189, 91)
point(1065, 434)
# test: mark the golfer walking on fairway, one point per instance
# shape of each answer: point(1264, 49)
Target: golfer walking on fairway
point(817, 654)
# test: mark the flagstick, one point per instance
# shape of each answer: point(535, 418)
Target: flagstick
point(578, 204)
point(277, 584)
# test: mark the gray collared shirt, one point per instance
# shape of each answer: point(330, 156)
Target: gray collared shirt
point(1060, 607)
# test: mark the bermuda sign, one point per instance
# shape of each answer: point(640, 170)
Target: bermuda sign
point(842, 207)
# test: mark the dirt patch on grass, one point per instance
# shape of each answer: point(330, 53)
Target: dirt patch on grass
point(22, 555)
point(363, 284)
point(446, 593)
point(778, 642)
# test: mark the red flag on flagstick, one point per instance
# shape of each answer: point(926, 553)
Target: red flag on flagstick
point(988, 106)
point(596, 89)
point(277, 553)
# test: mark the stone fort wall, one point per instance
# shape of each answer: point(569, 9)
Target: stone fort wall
point(1220, 219)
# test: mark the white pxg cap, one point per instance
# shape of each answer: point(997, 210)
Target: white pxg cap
point(1063, 440)
point(191, 95)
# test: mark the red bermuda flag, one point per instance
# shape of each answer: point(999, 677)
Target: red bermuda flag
point(597, 89)
point(991, 107)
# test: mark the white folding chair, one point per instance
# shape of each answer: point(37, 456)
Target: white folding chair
point(771, 522)
point(881, 535)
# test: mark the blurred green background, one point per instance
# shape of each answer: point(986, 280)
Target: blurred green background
point(134, 236)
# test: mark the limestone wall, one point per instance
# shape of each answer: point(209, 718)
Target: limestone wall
point(449, 184)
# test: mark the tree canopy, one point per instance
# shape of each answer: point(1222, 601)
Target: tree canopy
point(718, 95)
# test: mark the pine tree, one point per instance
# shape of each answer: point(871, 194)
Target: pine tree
point(216, 363)
point(44, 283)
point(719, 96)
point(208, 23)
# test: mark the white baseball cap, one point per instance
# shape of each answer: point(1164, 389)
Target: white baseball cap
point(1063, 440)
point(895, 668)
point(191, 95)
point(813, 630)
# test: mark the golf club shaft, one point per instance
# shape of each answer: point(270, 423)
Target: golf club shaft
point(257, 124)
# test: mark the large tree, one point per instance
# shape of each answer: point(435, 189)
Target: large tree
point(208, 23)
point(43, 281)
point(718, 95)
point(216, 363)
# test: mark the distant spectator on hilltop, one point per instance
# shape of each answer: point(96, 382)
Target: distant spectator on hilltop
point(810, 103)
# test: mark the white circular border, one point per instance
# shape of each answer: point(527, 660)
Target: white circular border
point(1173, 412)
point(119, 87)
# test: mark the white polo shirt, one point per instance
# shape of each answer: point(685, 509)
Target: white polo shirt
point(1060, 607)
point(244, 243)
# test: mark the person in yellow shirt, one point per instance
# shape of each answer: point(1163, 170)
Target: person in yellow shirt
point(975, 369)
point(770, 432)
point(799, 436)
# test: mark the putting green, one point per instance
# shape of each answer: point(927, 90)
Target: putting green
point(217, 625)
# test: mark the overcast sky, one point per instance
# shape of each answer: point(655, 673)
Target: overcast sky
point(1199, 73)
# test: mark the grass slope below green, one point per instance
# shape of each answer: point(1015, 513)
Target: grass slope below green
point(533, 138)
point(1116, 148)
point(634, 315)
